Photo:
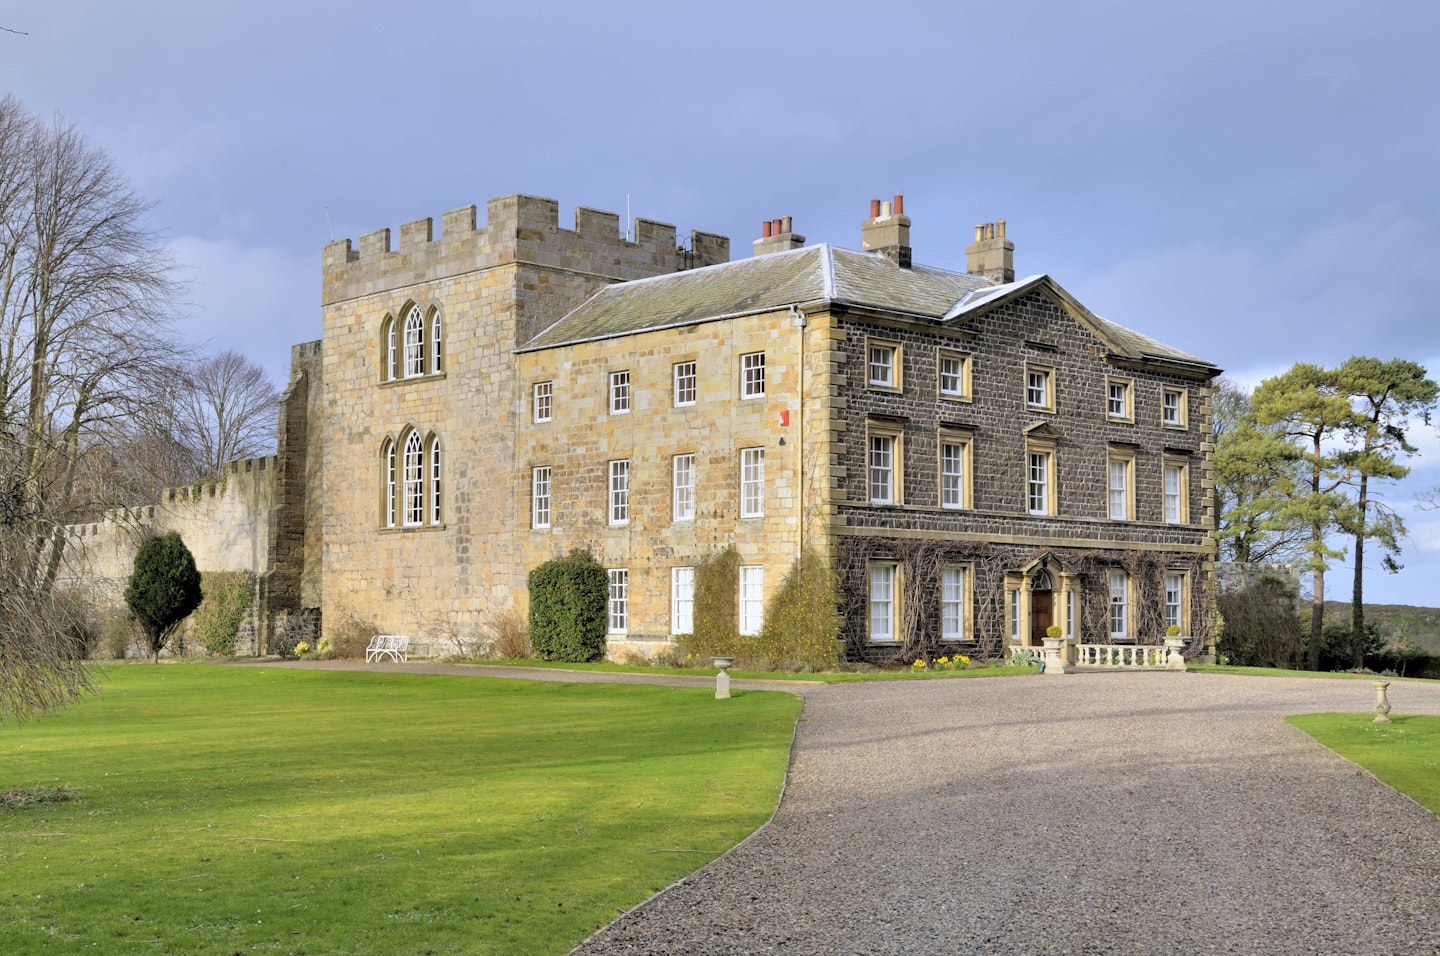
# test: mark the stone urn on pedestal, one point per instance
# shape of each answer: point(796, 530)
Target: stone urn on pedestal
point(1053, 656)
point(1174, 648)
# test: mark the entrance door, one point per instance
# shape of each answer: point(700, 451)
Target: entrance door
point(1041, 616)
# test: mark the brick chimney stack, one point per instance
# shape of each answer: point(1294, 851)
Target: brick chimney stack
point(887, 231)
point(777, 236)
point(991, 255)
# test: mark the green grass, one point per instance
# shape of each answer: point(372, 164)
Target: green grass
point(844, 677)
point(1404, 754)
point(1281, 672)
point(262, 810)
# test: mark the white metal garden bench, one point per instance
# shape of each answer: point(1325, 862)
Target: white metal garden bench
point(392, 645)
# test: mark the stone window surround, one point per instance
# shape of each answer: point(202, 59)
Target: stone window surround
point(967, 603)
point(682, 595)
point(1182, 401)
point(895, 431)
point(1181, 462)
point(895, 579)
point(1184, 599)
point(949, 435)
point(682, 506)
point(618, 508)
point(752, 599)
point(965, 394)
point(1046, 447)
point(1127, 413)
point(1125, 604)
point(684, 379)
point(1048, 373)
point(895, 368)
point(1123, 455)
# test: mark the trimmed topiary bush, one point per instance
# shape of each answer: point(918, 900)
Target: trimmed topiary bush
point(567, 608)
point(164, 588)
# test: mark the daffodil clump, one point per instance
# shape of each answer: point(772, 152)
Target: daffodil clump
point(957, 663)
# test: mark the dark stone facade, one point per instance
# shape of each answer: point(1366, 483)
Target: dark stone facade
point(997, 532)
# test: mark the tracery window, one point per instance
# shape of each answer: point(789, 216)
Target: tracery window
point(412, 476)
point(414, 343)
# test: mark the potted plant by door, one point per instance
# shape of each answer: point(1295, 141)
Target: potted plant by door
point(1053, 633)
point(1174, 647)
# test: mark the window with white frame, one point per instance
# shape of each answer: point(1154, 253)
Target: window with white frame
point(752, 599)
point(412, 507)
point(389, 334)
point(952, 604)
point(752, 375)
point(619, 393)
point(881, 365)
point(882, 469)
point(414, 342)
point(1175, 493)
point(435, 480)
point(752, 482)
point(1037, 481)
point(620, 491)
point(954, 375)
point(1119, 488)
point(1038, 392)
point(683, 487)
point(685, 388)
point(1015, 616)
point(1175, 600)
point(1119, 606)
point(952, 474)
point(682, 601)
point(1172, 408)
point(618, 606)
point(540, 497)
point(1072, 608)
point(1118, 406)
point(882, 602)
point(544, 401)
point(436, 355)
point(390, 484)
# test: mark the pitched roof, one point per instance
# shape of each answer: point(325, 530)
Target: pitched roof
point(814, 275)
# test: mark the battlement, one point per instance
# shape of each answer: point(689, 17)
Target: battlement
point(517, 229)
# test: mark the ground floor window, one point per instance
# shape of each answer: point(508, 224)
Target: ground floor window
point(682, 600)
point(952, 605)
point(882, 602)
point(752, 599)
point(1175, 600)
point(619, 604)
point(1119, 606)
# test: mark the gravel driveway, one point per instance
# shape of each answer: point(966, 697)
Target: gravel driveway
point(1098, 813)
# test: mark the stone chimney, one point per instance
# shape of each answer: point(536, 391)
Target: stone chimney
point(777, 236)
point(991, 255)
point(887, 231)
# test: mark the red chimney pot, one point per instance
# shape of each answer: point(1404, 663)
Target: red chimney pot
point(899, 205)
point(874, 209)
point(765, 229)
point(775, 227)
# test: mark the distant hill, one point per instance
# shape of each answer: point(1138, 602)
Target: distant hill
point(1422, 624)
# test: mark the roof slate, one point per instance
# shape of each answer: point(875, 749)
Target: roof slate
point(811, 275)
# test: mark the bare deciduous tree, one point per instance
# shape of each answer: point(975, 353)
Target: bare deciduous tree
point(227, 410)
point(85, 342)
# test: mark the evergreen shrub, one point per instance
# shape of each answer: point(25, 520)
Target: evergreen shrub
point(568, 598)
point(164, 588)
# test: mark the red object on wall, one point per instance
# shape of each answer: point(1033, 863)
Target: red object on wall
point(785, 417)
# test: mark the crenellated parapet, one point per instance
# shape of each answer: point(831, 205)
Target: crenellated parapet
point(517, 229)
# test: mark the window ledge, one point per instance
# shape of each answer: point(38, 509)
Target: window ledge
point(410, 529)
point(413, 380)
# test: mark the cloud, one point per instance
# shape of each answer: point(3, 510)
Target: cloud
point(257, 300)
point(1347, 286)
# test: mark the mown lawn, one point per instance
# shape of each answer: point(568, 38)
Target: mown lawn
point(234, 810)
point(1282, 672)
point(1404, 754)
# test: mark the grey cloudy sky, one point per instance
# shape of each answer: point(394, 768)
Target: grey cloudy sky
point(1252, 182)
